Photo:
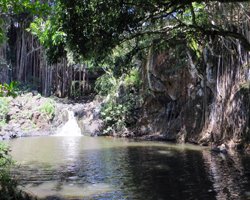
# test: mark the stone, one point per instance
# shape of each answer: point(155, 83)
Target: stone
point(6, 136)
point(220, 149)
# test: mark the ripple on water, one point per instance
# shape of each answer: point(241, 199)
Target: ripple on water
point(68, 191)
point(167, 153)
point(104, 168)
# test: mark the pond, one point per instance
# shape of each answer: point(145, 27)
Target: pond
point(108, 168)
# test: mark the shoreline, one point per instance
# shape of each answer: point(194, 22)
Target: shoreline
point(24, 115)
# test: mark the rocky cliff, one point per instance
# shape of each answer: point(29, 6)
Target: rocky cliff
point(31, 114)
point(205, 103)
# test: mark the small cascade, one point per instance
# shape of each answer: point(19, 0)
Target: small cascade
point(71, 127)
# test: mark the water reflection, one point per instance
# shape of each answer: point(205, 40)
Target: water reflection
point(106, 168)
point(70, 147)
point(228, 175)
point(69, 191)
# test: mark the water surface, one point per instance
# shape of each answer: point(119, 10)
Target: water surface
point(108, 168)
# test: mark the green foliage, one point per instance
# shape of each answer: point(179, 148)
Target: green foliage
point(123, 58)
point(121, 101)
point(48, 109)
point(133, 79)
point(12, 8)
point(5, 164)
point(95, 28)
point(105, 84)
point(113, 116)
point(49, 32)
point(8, 186)
point(45, 26)
point(195, 14)
point(194, 46)
point(20, 6)
point(2, 31)
point(4, 109)
point(118, 114)
point(9, 89)
point(5, 159)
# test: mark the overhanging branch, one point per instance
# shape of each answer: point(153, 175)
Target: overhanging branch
point(224, 33)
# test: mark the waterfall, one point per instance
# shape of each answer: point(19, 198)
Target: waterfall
point(70, 128)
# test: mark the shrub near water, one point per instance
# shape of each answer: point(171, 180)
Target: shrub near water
point(133, 79)
point(5, 163)
point(118, 110)
point(48, 109)
point(106, 84)
point(9, 89)
point(5, 159)
point(4, 109)
point(114, 116)
point(6, 90)
point(8, 186)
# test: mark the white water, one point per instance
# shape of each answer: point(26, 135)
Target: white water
point(71, 127)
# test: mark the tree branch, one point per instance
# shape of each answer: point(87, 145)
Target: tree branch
point(224, 33)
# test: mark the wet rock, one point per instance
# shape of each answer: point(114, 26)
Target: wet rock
point(54, 198)
point(79, 111)
point(220, 149)
point(35, 93)
point(11, 131)
point(25, 116)
point(26, 119)
point(6, 137)
point(247, 195)
point(155, 138)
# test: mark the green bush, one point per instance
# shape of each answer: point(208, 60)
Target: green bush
point(4, 109)
point(119, 113)
point(105, 84)
point(113, 116)
point(5, 159)
point(122, 99)
point(48, 109)
point(9, 89)
point(133, 79)
point(8, 185)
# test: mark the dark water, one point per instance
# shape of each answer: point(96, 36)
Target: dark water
point(106, 168)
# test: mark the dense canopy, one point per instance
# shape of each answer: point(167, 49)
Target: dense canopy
point(94, 28)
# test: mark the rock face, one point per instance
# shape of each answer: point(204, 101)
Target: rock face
point(173, 108)
point(185, 105)
point(29, 115)
point(87, 115)
point(89, 118)
point(26, 117)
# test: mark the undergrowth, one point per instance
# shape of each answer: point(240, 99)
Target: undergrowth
point(4, 109)
point(48, 109)
point(121, 101)
point(8, 185)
